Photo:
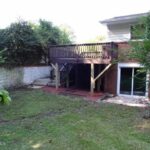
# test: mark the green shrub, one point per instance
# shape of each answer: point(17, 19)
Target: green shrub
point(4, 97)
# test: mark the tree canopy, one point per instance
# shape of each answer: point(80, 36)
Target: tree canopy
point(25, 43)
point(141, 48)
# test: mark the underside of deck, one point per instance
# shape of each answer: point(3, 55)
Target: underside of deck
point(82, 60)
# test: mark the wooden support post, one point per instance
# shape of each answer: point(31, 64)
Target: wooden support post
point(67, 82)
point(57, 79)
point(67, 78)
point(53, 71)
point(76, 75)
point(92, 78)
point(99, 79)
point(53, 66)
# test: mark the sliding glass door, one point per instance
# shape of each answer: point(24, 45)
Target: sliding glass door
point(139, 86)
point(126, 81)
point(132, 81)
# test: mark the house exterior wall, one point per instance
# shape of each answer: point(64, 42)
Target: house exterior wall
point(111, 76)
point(111, 80)
point(124, 50)
point(119, 32)
point(22, 75)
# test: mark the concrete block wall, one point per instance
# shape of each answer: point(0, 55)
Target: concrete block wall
point(33, 73)
point(22, 75)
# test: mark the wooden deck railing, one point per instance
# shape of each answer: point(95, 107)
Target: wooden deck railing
point(82, 52)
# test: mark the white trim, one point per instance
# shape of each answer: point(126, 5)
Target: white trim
point(129, 65)
point(118, 79)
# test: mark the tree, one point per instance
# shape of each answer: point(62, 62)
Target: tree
point(67, 35)
point(141, 49)
point(24, 43)
point(48, 34)
point(20, 44)
point(97, 39)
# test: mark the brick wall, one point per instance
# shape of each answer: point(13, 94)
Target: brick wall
point(111, 80)
point(124, 50)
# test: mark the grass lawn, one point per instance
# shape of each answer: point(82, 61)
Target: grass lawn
point(39, 120)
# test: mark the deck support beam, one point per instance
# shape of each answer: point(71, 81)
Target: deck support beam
point(92, 78)
point(99, 79)
point(76, 75)
point(101, 73)
point(53, 66)
point(57, 74)
point(67, 79)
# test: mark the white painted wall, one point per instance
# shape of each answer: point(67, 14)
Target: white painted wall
point(22, 75)
point(33, 73)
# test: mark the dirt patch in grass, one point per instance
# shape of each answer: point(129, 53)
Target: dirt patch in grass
point(37, 116)
point(43, 114)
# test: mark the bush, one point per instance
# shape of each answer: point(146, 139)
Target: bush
point(4, 97)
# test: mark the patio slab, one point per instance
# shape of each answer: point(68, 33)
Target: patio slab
point(100, 97)
point(128, 101)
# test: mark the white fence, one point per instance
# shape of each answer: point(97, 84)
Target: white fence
point(22, 75)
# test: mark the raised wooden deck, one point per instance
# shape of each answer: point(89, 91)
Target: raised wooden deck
point(97, 53)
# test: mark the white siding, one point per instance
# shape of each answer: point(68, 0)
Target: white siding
point(119, 32)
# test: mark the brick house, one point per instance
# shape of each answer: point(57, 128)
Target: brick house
point(120, 31)
point(90, 66)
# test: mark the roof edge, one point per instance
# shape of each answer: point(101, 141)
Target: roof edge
point(125, 18)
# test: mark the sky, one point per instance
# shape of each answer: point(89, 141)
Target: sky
point(82, 16)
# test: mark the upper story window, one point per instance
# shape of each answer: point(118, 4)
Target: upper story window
point(137, 31)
